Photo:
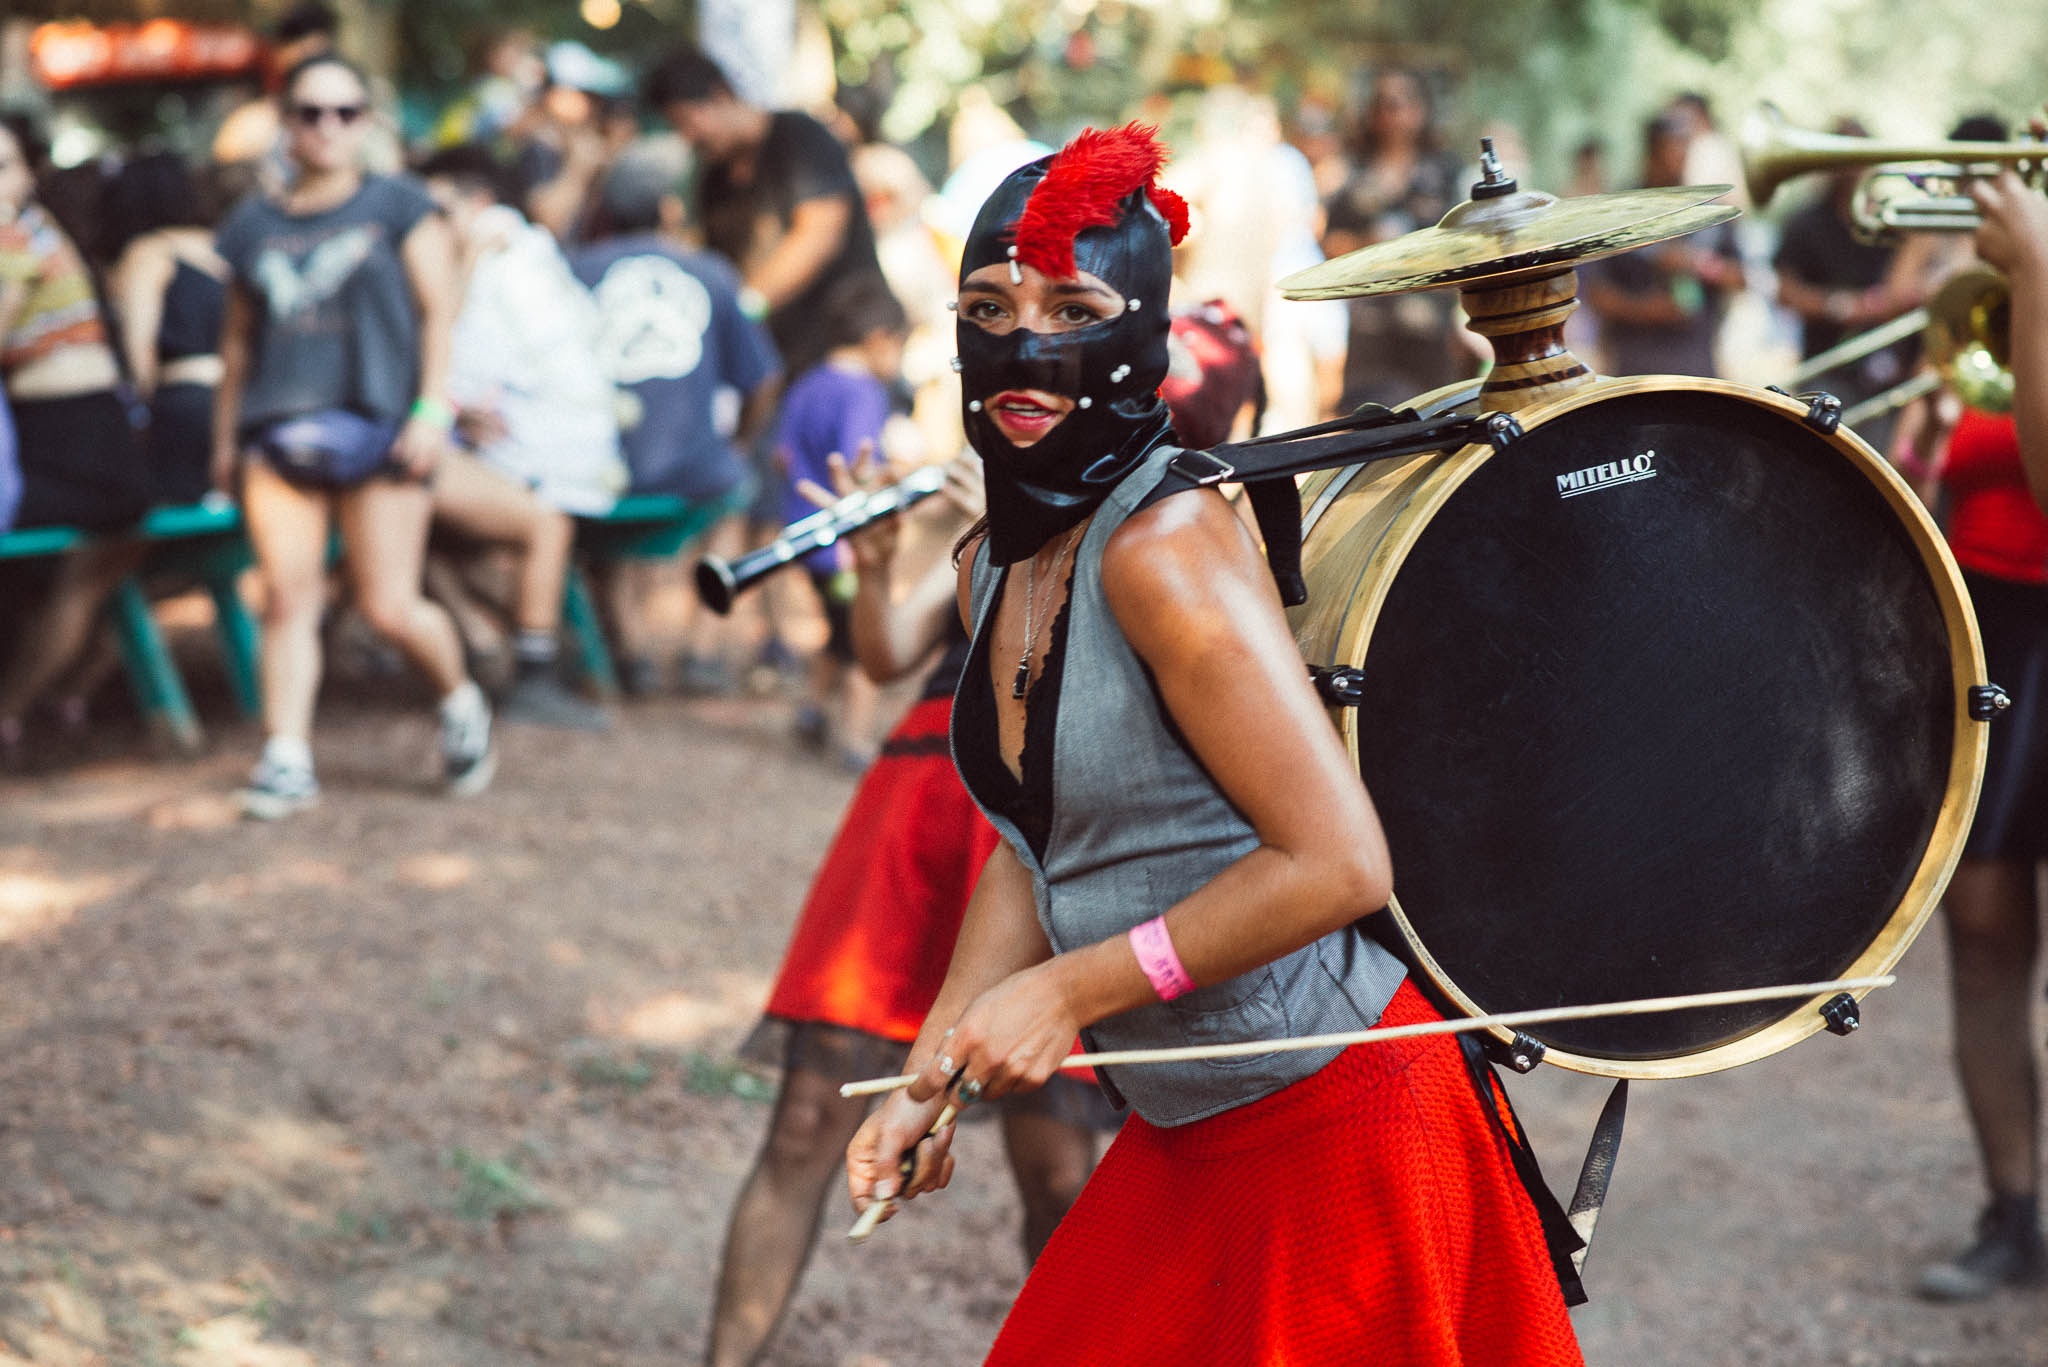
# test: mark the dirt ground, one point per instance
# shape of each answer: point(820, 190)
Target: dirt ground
point(411, 1081)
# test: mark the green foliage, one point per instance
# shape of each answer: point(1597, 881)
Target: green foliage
point(1707, 27)
point(708, 1076)
point(600, 1070)
point(436, 38)
point(350, 1226)
point(1556, 70)
point(492, 1188)
point(1559, 72)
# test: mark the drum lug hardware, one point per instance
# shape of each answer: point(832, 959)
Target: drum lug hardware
point(1841, 1014)
point(1520, 1054)
point(1988, 702)
point(1501, 430)
point(1823, 410)
point(1340, 686)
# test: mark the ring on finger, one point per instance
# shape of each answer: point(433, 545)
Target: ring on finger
point(946, 1065)
point(970, 1091)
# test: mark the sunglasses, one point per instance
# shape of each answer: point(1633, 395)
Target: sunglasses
point(313, 115)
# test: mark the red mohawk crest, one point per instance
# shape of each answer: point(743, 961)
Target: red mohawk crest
point(1082, 188)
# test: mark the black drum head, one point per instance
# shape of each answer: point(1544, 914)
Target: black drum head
point(1660, 702)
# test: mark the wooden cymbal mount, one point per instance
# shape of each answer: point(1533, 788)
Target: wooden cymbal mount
point(1523, 319)
point(1511, 252)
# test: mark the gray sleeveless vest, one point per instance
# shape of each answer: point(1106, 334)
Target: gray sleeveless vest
point(1137, 826)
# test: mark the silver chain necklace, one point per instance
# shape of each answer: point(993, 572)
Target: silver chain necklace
point(1020, 685)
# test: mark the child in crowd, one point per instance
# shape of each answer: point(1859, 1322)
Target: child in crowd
point(699, 379)
point(840, 404)
point(10, 466)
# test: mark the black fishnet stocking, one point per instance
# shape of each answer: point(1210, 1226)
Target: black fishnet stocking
point(1051, 1159)
point(775, 1221)
point(1994, 929)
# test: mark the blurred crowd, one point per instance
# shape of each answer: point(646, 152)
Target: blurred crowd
point(421, 373)
point(414, 368)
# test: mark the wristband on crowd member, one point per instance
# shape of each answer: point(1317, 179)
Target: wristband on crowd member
point(753, 303)
point(1156, 956)
point(438, 412)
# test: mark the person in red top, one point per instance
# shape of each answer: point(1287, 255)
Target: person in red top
point(2000, 538)
point(2014, 238)
point(1996, 473)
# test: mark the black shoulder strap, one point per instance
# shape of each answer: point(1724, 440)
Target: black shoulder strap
point(1567, 1247)
point(1567, 1230)
point(1266, 466)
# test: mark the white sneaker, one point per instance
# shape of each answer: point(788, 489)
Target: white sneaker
point(276, 791)
point(468, 759)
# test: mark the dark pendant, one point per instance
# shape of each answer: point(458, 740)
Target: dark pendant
point(1023, 679)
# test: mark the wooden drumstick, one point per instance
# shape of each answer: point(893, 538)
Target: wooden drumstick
point(1456, 1025)
point(871, 1218)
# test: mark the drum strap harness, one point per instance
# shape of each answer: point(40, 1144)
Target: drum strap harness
point(1266, 466)
point(1567, 1230)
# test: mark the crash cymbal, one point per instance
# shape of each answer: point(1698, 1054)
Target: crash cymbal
point(1505, 235)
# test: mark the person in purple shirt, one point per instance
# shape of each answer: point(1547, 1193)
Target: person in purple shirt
point(839, 406)
point(10, 468)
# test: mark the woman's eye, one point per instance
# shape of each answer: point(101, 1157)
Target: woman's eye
point(984, 310)
point(1077, 315)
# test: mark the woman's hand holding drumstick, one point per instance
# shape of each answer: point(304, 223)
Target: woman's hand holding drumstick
point(1001, 936)
point(880, 1208)
point(903, 1150)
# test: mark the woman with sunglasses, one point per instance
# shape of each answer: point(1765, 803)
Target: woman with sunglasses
point(333, 403)
point(1186, 849)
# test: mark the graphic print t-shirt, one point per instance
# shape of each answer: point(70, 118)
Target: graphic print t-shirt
point(673, 333)
point(336, 323)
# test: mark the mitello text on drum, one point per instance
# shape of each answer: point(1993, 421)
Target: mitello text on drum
point(1608, 474)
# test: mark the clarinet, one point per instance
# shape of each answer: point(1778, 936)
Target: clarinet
point(721, 581)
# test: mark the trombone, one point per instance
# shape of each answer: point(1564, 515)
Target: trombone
point(1911, 187)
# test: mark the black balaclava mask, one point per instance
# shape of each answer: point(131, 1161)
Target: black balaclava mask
point(1112, 369)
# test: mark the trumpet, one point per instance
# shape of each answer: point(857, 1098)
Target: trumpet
point(720, 581)
point(1966, 327)
point(1913, 187)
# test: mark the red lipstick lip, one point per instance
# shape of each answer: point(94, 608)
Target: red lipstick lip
point(1015, 396)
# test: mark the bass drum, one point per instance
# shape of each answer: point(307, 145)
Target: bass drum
point(1669, 696)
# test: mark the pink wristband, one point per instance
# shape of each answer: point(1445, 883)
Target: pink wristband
point(1154, 948)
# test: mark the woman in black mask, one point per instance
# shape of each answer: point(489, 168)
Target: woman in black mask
point(1186, 848)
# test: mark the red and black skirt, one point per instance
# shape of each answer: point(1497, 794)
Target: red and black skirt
point(1369, 1213)
point(876, 933)
point(871, 946)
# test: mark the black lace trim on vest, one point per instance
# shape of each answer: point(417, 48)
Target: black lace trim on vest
point(1027, 803)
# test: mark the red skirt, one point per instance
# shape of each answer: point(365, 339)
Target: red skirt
point(1366, 1214)
point(876, 933)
